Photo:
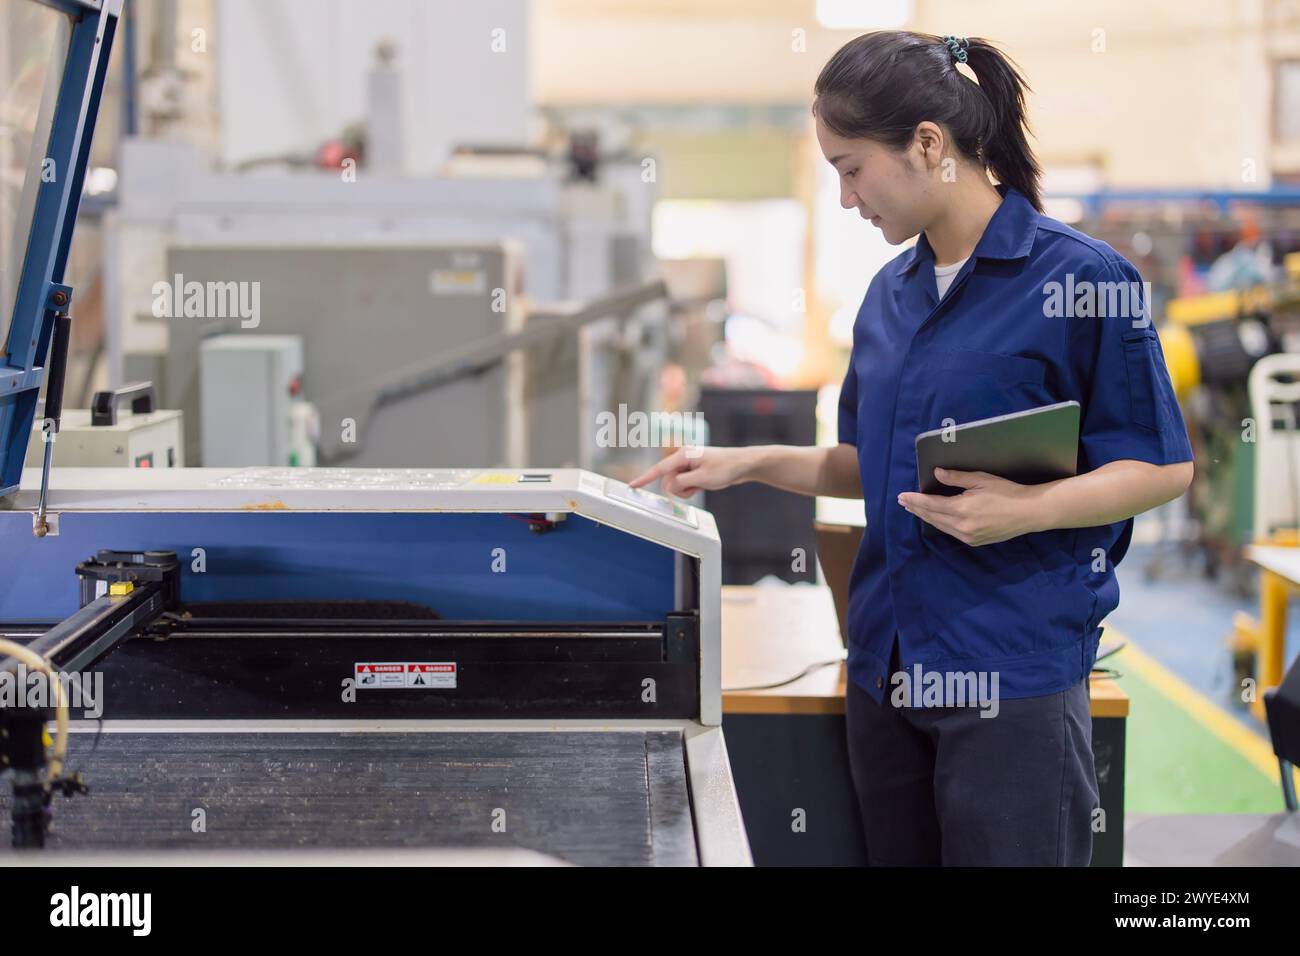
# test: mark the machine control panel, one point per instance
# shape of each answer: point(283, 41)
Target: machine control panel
point(649, 501)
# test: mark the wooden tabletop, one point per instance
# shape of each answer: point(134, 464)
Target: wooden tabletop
point(770, 634)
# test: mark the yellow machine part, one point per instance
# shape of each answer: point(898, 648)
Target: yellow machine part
point(1180, 357)
point(1216, 306)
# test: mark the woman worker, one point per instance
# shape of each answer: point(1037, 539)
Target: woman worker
point(967, 324)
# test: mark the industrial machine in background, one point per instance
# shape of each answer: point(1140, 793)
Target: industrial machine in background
point(573, 242)
point(1234, 360)
point(360, 312)
point(418, 356)
point(364, 269)
point(1211, 343)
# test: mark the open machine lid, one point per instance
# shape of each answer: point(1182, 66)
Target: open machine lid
point(53, 59)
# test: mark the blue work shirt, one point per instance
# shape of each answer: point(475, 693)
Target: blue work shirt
point(1015, 330)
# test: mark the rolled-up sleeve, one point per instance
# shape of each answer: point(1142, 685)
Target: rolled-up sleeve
point(848, 417)
point(1128, 406)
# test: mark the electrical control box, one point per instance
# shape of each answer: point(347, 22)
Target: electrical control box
point(249, 389)
point(134, 440)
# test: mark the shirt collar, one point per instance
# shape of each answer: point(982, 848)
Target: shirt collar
point(1009, 234)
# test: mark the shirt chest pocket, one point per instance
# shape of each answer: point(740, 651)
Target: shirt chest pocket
point(967, 385)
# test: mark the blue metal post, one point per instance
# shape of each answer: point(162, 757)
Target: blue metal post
point(55, 213)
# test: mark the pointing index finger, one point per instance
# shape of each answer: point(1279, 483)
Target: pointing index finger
point(658, 470)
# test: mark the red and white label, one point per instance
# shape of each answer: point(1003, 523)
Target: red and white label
point(405, 675)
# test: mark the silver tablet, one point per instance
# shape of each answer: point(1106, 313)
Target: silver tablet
point(1029, 447)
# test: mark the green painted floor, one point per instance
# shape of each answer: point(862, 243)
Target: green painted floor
point(1176, 765)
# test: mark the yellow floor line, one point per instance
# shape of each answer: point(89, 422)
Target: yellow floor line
point(1210, 715)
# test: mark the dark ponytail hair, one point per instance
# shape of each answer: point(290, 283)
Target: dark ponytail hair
point(880, 86)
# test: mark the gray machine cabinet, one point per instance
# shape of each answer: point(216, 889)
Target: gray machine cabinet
point(362, 313)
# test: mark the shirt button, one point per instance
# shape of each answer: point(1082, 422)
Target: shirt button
point(880, 682)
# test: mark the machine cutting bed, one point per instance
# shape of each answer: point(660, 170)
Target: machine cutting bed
point(611, 798)
point(335, 659)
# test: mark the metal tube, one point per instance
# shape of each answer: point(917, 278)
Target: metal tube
point(58, 368)
point(41, 526)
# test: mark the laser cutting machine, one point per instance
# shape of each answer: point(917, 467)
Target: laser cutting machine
point(429, 663)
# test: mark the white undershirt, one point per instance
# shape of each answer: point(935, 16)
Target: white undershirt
point(943, 275)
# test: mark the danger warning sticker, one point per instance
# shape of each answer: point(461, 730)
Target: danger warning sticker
point(405, 675)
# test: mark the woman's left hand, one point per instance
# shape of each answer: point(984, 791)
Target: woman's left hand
point(989, 510)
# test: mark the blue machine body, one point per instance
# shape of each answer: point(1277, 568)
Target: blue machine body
point(489, 567)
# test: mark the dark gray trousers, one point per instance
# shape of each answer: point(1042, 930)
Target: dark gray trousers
point(944, 785)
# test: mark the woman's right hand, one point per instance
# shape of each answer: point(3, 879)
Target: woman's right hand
point(689, 470)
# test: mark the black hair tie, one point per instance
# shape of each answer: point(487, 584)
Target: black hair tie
point(957, 47)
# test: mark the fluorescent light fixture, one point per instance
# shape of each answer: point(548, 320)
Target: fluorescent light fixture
point(863, 15)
